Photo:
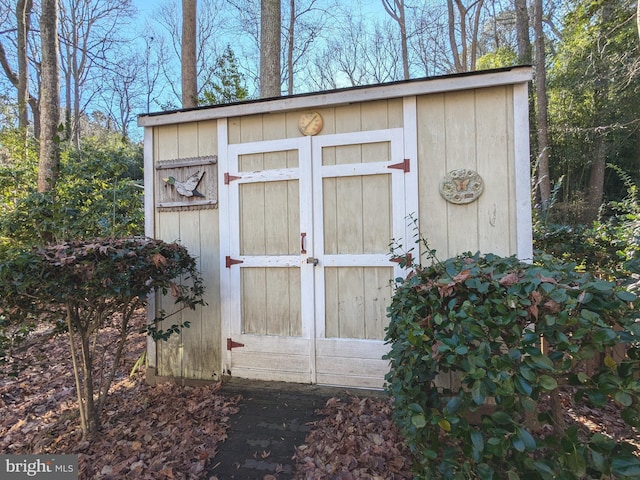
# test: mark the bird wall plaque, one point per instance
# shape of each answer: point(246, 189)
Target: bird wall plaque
point(190, 183)
point(188, 187)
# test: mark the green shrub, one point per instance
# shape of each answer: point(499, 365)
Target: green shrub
point(98, 194)
point(608, 247)
point(89, 285)
point(479, 321)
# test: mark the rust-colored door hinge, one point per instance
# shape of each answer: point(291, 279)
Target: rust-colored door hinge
point(229, 262)
point(404, 165)
point(230, 178)
point(231, 344)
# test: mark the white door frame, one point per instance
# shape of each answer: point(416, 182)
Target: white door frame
point(309, 173)
point(349, 352)
point(270, 352)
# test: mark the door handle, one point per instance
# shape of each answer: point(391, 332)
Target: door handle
point(312, 260)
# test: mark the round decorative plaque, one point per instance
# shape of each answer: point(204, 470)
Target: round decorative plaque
point(461, 186)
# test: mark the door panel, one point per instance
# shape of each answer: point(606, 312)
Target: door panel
point(361, 211)
point(269, 218)
point(357, 214)
point(356, 300)
point(311, 221)
point(271, 301)
point(268, 213)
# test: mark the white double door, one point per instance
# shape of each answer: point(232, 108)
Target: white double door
point(308, 266)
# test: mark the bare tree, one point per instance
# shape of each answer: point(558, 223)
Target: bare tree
point(341, 62)
point(464, 38)
point(542, 118)
point(270, 48)
point(304, 23)
point(189, 56)
point(300, 36)
point(49, 164)
point(23, 15)
point(90, 30)
point(165, 45)
point(21, 47)
point(359, 52)
point(429, 45)
point(395, 9)
point(151, 65)
point(522, 31)
point(128, 92)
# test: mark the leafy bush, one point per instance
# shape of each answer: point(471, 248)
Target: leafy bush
point(608, 247)
point(98, 194)
point(514, 339)
point(92, 284)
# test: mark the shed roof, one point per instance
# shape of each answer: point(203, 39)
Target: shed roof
point(332, 98)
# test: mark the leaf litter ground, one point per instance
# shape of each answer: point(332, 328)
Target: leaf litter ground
point(172, 432)
point(167, 431)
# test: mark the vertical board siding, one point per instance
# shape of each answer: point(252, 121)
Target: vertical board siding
point(210, 355)
point(460, 131)
point(472, 130)
point(254, 300)
point(378, 293)
point(252, 219)
point(195, 352)
point(270, 226)
point(432, 145)
point(271, 301)
point(169, 360)
point(167, 142)
point(269, 218)
point(375, 115)
point(493, 146)
point(356, 302)
point(191, 341)
point(188, 140)
point(377, 218)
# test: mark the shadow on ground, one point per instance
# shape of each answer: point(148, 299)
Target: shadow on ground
point(274, 418)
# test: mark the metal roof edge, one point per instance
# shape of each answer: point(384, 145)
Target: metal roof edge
point(404, 88)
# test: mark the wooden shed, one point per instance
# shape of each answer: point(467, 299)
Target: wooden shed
point(298, 200)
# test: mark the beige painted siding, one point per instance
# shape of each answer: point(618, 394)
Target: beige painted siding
point(357, 117)
point(473, 130)
point(196, 352)
point(467, 127)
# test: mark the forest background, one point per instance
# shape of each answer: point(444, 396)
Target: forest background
point(76, 73)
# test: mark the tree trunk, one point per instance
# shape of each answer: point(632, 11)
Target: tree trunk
point(292, 24)
point(396, 12)
point(542, 122)
point(522, 32)
point(270, 25)
point(453, 43)
point(189, 67)
point(600, 147)
point(464, 55)
point(34, 103)
point(77, 113)
point(595, 194)
point(474, 35)
point(23, 16)
point(49, 164)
